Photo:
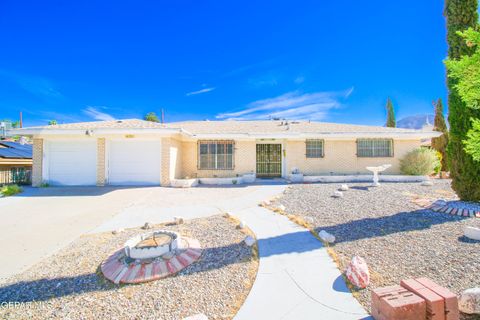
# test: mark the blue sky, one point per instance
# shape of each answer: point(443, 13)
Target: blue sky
point(334, 61)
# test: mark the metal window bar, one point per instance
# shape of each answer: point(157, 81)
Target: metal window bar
point(215, 155)
point(374, 148)
point(314, 148)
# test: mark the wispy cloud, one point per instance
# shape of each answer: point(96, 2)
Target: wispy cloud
point(264, 81)
point(205, 90)
point(35, 85)
point(291, 105)
point(96, 114)
point(299, 79)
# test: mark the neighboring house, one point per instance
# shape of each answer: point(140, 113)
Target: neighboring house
point(137, 152)
point(15, 162)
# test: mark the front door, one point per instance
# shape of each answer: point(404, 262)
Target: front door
point(269, 160)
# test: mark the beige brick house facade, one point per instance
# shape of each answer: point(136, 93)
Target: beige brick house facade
point(178, 154)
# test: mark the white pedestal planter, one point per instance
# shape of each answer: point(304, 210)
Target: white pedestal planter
point(183, 183)
point(296, 177)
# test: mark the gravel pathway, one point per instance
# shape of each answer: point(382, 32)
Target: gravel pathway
point(397, 237)
point(70, 285)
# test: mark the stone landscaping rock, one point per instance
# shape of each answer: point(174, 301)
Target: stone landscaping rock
point(472, 233)
point(469, 301)
point(242, 225)
point(178, 220)
point(249, 241)
point(427, 183)
point(281, 207)
point(118, 231)
point(357, 272)
point(344, 187)
point(147, 226)
point(327, 237)
point(338, 194)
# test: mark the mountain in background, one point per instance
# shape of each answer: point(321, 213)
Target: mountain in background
point(416, 121)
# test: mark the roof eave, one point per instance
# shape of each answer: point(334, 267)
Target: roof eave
point(323, 135)
point(56, 132)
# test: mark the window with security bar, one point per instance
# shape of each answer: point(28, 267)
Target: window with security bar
point(315, 148)
point(374, 148)
point(215, 155)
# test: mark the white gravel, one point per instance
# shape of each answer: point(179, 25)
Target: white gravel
point(70, 285)
point(397, 238)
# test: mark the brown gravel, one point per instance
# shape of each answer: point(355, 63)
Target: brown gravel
point(397, 238)
point(70, 285)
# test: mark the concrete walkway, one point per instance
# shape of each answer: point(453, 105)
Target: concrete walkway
point(204, 201)
point(296, 278)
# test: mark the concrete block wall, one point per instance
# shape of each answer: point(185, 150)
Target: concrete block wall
point(341, 158)
point(244, 157)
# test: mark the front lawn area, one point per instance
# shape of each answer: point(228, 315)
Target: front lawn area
point(386, 226)
point(71, 285)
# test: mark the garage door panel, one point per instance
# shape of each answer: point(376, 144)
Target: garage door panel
point(134, 162)
point(72, 162)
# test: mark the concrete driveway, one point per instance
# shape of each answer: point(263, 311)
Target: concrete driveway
point(40, 221)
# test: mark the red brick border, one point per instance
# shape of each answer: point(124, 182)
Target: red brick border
point(454, 211)
point(116, 269)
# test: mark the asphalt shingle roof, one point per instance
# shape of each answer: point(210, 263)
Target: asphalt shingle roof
point(271, 126)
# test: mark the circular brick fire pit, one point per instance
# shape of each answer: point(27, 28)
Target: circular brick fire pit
point(151, 256)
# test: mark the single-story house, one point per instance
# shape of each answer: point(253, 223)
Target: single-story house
point(15, 162)
point(137, 152)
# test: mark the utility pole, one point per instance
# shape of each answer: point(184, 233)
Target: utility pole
point(163, 116)
point(21, 120)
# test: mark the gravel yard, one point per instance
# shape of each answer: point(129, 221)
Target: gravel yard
point(398, 238)
point(70, 285)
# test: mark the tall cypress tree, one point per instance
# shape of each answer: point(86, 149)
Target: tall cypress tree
point(465, 172)
point(440, 143)
point(390, 114)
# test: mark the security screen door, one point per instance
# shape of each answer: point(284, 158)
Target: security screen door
point(269, 160)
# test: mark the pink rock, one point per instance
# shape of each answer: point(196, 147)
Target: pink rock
point(357, 272)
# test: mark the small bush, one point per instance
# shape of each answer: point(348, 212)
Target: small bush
point(10, 190)
point(438, 168)
point(420, 162)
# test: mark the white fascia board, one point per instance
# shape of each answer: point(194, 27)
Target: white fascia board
point(46, 132)
point(322, 135)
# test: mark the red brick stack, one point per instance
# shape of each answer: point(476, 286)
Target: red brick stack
point(414, 299)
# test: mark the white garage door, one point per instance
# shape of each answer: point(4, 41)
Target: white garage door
point(133, 162)
point(72, 162)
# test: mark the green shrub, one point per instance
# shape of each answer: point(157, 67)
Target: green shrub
point(420, 162)
point(10, 190)
point(438, 168)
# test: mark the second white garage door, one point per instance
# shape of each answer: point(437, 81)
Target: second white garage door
point(133, 162)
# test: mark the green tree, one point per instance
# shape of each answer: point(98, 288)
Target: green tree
point(472, 143)
point(52, 122)
point(151, 116)
point(440, 143)
point(466, 70)
point(390, 115)
point(465, 172)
